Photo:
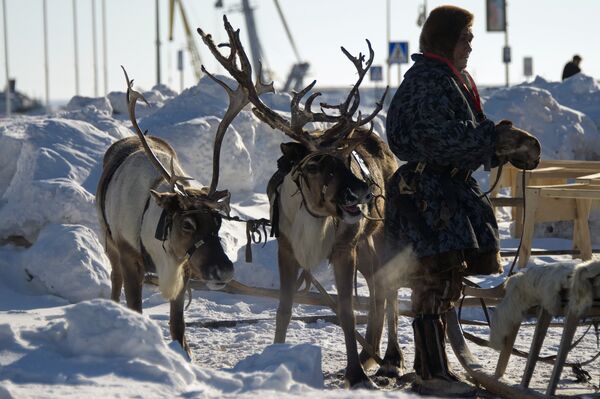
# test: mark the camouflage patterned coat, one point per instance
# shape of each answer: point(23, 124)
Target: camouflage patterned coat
point(433, 121)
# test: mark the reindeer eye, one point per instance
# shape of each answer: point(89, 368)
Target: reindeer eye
point(188, 225)
point(312, 168)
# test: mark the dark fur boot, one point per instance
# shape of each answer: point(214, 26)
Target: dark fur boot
point(431, 364)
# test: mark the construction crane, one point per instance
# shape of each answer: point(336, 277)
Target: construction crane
point(295, 79)
point(189, 36)
point(299, 69)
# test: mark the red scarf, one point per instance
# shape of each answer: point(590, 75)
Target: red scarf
point(472, 93)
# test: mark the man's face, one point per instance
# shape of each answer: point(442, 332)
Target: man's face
point(463, 49)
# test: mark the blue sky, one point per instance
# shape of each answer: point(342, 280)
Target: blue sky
point(550, 31)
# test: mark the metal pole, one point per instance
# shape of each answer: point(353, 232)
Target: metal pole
point(157, 44)
point(255, 48)
point(104, 45)
point(46, 66)
point(388, 38)
point(181, 81)
point(506, 42)
point(76, 47)
point(399, 74)
point(7, 89)
point(95, 49)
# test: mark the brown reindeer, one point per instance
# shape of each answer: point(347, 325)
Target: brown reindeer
point(320, 198)
point(154, 220)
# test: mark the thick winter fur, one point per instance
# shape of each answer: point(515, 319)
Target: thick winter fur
point(131, 197)
point(302, 229)
point(123, 200)
point(314, 227)
point(537, 285)
point(585, 286)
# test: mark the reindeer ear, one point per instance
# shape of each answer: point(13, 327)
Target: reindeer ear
point(294, 151)
point(167, 201)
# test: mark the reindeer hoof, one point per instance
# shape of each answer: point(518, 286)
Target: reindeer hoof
point(361, 384)
point(390, 371)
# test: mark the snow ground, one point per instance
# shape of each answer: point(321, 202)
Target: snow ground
point(60, 337)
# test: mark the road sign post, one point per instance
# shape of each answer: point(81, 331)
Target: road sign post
point(398, 54)
point(528, 66)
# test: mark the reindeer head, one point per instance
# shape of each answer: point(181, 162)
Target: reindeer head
point(191, 217)
point(320, 158)
point(191, 225)
point(327, 184)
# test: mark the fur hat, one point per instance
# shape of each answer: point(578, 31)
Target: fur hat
point(442, 29)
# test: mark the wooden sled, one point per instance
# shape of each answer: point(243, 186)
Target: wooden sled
point(476, 371)
point(494, 383)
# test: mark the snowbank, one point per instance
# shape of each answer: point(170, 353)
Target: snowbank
point(303, 361)
point(98, 343)
point(564, 132)
point(49, 169)
point(68, 261)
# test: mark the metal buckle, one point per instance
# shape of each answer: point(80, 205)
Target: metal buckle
point(420, 167)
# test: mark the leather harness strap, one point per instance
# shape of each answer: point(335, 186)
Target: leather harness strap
point(455, 173)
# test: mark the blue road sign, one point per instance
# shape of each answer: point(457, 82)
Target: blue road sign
point(398, 53)
point(376, 73)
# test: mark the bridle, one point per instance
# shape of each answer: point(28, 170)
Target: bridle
point(298, 176)
point(165, 224)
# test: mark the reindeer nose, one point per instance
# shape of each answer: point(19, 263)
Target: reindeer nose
point(350, 197)
point(222, 272)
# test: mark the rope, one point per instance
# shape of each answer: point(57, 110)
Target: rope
point(498, 175)
point(254, 233)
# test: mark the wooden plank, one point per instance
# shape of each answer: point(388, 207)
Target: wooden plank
point(553, 209)
point(577, 163)
point(475, 370)
point(571, 192)
point(507, 201)
point(588, 178)
point(565, 344)
point(544, 319)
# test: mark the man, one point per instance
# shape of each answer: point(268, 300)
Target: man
point(434, 207)
point(572, 67)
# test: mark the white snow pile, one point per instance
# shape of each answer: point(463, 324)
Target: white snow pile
point(303, 361)
point(99, 343)
point(49, 169)
point(579, 92)
point(156, 97)
point(68, 261)
point(564, 131)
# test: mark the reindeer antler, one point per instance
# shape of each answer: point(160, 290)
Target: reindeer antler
point(171, 178)
point(238, 98)
point(344, 124)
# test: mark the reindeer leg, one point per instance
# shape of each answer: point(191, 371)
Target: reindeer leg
point(344, 262)
point(116, 275)
point(176, 321)
point(393, 361)
point(367, 265)
point(133, 275)
point(288, 273)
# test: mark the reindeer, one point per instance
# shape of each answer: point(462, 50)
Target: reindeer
point(154, 220)
point(320, 198)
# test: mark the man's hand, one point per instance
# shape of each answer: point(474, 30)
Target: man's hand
point(517, 146)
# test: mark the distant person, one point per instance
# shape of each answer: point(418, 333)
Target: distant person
point(572, 67)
